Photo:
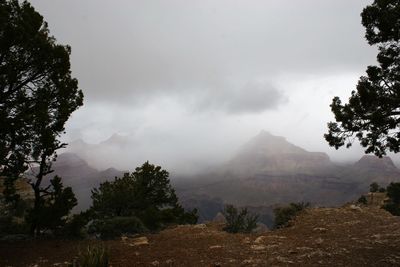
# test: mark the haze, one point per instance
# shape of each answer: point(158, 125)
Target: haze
point(188, 82)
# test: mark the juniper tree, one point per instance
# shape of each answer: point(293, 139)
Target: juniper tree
point(372, 114)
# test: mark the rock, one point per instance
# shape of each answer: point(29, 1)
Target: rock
point(124, 238)
point(155, 263)
point(260, 239)
point(283, 260)
point(320, 229)
point(258, 247)
point(214, 247)
point(139, 241)
point(200, 226)
point(355, 208)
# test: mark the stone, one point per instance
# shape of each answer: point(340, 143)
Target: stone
point(155, 263)
point(258, 247)
point(139, 241)
point(200, 226)
point(214, 247)
point(320, 229)
point(355, 208)
point(260, 239)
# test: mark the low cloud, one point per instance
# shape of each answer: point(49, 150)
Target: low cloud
point(250, 98)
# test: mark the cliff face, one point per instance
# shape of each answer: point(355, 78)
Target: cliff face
point(269, 154)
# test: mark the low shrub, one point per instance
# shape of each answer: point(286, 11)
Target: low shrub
point(362, 200)
point(283, 215)
point(239, 221)
point(393, 193)
point(93, 256)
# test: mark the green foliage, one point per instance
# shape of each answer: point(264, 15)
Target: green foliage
point(239, 221)
point(145, 194)
point(37, 97)
point(94, 256)
point(117, 226)
point(393, 193)
point(54, 207)
point(372, 114)
point(283, 215)
point(362, 200)
point(75, 226)
point(374, 187)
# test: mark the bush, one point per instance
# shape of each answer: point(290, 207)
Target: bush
point(239, 221)
point(362, 200)
point(75, 226)
point(93, 256)
point(374, 187)
point(146, 195)
point(393, 193)
point(117, 226)
point(283, 215)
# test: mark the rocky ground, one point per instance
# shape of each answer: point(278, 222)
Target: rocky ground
point(348, 236)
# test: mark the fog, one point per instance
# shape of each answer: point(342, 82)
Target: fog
point(185, 83)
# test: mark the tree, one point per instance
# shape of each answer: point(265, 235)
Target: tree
point(393, 193)
point(145, 194)
point(54, 208)
point(372, 114)
point(37, 96)
point(374, 187)
point(239, 221)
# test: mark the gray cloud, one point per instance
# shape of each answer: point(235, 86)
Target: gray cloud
point(135, 51)
point(252, 97)
point(195, 79)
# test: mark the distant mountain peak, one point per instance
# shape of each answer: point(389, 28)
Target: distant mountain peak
point(266, 143)
point(374, 162)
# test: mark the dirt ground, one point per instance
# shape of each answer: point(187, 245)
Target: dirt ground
point(349, 236)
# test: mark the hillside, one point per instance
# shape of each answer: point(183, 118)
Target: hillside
point(347, 236)
point(268, 171)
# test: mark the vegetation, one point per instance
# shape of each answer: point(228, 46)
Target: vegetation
point(93, 256)
point(362, 200)
point(393, 193)
point(374, 187)
point(37, 96)
point(239, 221)
point(283, 215)
point(144, 197)
point(372, 114)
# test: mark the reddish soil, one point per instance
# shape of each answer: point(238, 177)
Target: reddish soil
point(318, 237)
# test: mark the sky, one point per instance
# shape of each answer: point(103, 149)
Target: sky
point(196, 79)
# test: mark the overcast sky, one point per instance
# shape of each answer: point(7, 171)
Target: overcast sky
point(202, 77)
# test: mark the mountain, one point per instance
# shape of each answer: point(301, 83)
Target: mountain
point(268, 171)
point(265, 172)
point(274, 155)
point(78, 174)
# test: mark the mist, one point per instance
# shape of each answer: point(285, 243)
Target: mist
point(184, 84)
